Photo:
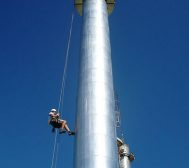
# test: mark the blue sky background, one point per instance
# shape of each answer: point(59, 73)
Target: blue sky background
point(150, 41)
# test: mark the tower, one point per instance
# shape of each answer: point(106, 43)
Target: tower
point(96, 143)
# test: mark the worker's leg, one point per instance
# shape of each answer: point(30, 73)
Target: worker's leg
point(67, 128)
point(64, 125)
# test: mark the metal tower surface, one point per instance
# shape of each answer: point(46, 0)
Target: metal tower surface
point(95, 145)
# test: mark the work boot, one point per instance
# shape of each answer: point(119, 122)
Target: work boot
point(71, 133)
point(62, 131)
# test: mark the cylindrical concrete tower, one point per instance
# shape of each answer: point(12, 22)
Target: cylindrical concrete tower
point(96, 145)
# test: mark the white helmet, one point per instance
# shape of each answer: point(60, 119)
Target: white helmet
point(53, 110)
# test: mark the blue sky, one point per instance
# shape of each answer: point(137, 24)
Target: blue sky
point(150, 58)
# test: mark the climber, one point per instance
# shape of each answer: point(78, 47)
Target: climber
point(56, 122)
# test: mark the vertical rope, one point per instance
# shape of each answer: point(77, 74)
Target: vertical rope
point(60, 104)
point(65, 67)
point(57, 150)
point(54, 149)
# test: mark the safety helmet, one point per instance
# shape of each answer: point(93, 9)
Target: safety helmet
point(53, 110)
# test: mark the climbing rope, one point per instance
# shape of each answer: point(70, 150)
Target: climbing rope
point(65, 67)
point(54, 149)
point(60, 103)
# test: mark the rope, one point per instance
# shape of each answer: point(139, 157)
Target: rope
point(54, 149)
point(65, 66)
point(56, 146)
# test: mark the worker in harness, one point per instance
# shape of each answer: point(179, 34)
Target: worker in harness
point(56, 122)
